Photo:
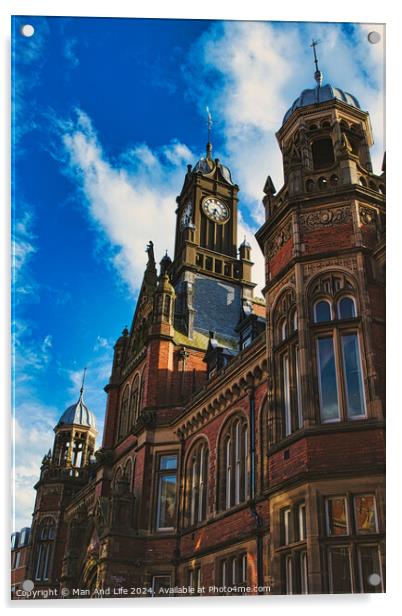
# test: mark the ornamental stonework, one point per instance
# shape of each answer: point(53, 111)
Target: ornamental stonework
point(278, 240)
point(325, 218)
point(310, 269)
point(367, 215)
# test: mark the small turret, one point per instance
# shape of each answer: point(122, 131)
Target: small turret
point(74, 442)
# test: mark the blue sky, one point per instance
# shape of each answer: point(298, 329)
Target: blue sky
point(107, 113)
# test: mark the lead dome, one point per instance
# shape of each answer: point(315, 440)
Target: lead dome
point(78, 414)
point(321, 94)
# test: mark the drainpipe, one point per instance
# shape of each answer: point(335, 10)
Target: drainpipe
point(253, 509)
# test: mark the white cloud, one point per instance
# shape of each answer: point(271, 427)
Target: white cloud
point(70, 52)
point(130, 201)
point(101, 343)
point(249, 73)
point(252, 71)
point(23, 248)
point(32, 437)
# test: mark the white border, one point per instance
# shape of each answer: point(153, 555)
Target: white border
point(309, 10)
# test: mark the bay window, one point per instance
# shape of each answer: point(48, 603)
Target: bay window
point(336, 330)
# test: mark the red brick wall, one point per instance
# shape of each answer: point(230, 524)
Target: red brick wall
point(326, 453)
point(281, 259)
point(324, 240)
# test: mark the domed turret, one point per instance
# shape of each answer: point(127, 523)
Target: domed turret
point(78, 414)
point(207, 166)
point(321, 94)
point(75, 435)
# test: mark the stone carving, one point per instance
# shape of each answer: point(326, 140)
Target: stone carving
point(147, 419)
point(324, 218)
point(311, 269)
point(276, 242)
point(367, 215)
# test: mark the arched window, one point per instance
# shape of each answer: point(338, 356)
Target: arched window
point(287, 360)
point(294, 321)
point(234, 463)
point(124, 413)
point(117, 477)
point(128, 472)
point(45, 549)
point(283, 329)
point(334, 180)
point(322, 311)
point(338, 354)
point(346, 308)
point(133, 414)
point(197, 484)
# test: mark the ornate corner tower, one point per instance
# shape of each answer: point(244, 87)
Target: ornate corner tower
point(323, 241)
point(65, 470)
point(212, 283)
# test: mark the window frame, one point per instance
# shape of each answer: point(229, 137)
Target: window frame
point(231, 568)
point(338, 312)
point(159, 576)
point(347, 515)
point(330, 549)
point(357, 531)
point(322, 300)
point(45, 549)
point(336, 332)
point(234, 463)
point(196, 484)
point(360, 566)
point(160, 474)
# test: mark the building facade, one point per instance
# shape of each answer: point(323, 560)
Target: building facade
point(243, 450)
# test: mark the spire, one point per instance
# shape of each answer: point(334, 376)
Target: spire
point(209, 124)
point(83, 382)
point(318, 76)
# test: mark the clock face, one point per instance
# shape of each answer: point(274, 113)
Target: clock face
point(215, 209)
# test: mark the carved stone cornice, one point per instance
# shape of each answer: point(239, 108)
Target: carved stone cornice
point(327, 217)
point(346, 263)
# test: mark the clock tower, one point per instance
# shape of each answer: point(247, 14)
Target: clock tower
point(212, 278)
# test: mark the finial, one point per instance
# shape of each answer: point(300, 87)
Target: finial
point(150, 251)
point(318, 76)
point(209, 124)
point(83, 381)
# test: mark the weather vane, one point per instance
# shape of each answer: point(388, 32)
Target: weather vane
point(318, 76)
point(83, 380)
